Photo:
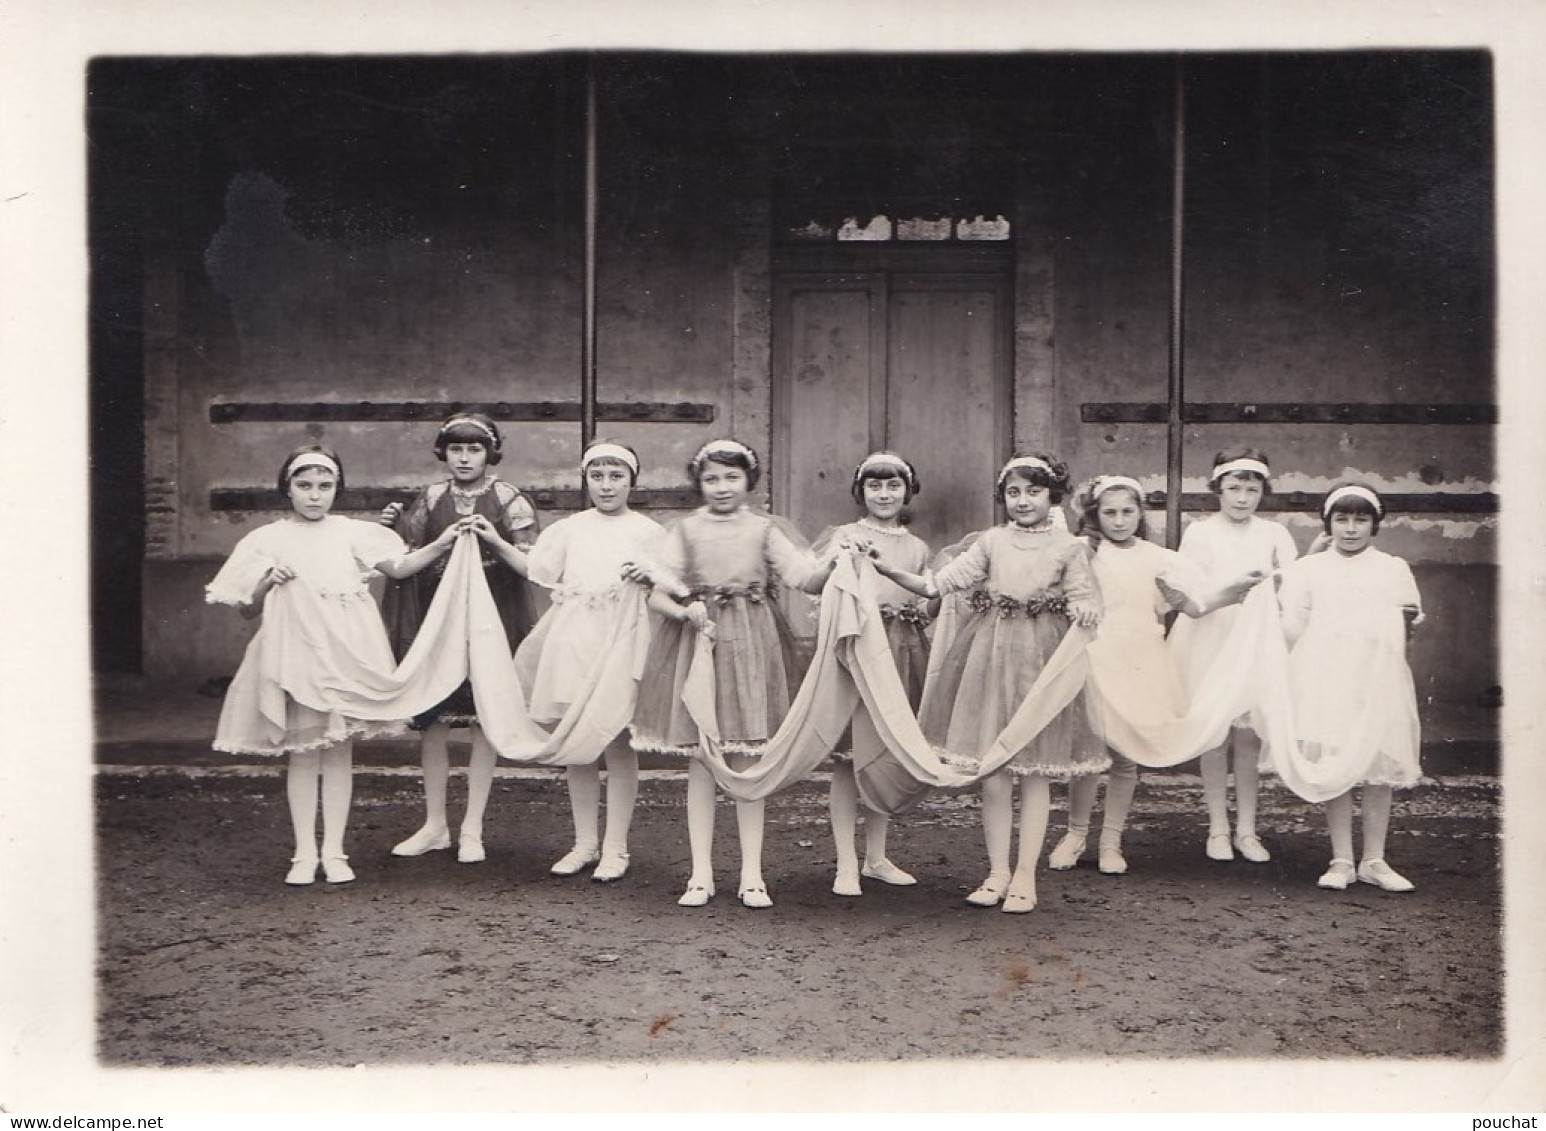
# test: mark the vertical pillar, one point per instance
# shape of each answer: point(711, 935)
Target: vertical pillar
point(1177, 397)
point(588, 316)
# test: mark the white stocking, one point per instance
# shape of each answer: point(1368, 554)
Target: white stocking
point(843, 808)
point(1121, 784)
point(1247, 750)
point(301, 789)
point(998, 816)
point(700, 822)
point(749, 823)
point(585, 803)
point(480, 783)
point(622, 791)
point(436, 760)
point(337, 792)
point(1376, 820)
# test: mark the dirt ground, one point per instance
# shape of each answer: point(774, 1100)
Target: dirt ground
point(208, 959)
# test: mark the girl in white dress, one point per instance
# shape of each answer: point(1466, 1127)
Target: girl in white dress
point(1224, 546)
point(333, 559)
point(585, 561)
point(1140, 583)
point(883, 484)
point(1347, 615)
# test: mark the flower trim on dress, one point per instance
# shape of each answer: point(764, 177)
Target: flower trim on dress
point(344, 596)
point(753, 592)
point(912, 612)
point(1043, 602)
point(589, 598)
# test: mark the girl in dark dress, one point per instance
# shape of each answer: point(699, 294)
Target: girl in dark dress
point(469, 444)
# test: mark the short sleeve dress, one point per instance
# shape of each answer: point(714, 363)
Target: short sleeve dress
point(1132, 626)
point(335, 557)
point(1223, 550)
point(579, 559)
point(1022, 581)
point(733, 563)
point(1355, 703)
point(405, 602)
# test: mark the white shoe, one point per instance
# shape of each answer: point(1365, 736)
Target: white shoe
point(1338, 876)
point(756, 897)
point(888, 873)
point(303, 871)
point(991, 893)
point(336, 870)
point(1112, 862)
point(575, 861)
point(613, 866)
point(1383, 876)
point(469, 850)
point(1021, 896)
point(696, 895)
point(1250, 846)
point(847, 883)
point(1218, 847)
point(1068, 852)
point(425, 840)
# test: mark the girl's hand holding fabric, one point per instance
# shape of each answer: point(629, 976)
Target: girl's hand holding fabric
point(697, 615)
point(483, 528)
point(447, 537)
point(1173, 597)
point(1240, 586)
point(1084, 616)
point(277, 575)
point(390, 514)
point(633, 571)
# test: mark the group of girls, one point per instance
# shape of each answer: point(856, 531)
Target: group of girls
point(694, 605)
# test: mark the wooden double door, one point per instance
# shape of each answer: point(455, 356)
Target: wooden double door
point(882, 356)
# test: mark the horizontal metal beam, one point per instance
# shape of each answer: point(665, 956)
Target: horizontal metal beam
point(306, 412)
point(356, 499)
point(1156, 412)
point(228, 500)
point(1293, 502)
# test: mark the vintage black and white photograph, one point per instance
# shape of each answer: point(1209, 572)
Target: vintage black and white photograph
point(874, 573)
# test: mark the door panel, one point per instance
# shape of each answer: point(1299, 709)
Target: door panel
point(946, 405)
point(912, 361)
point(825, 401)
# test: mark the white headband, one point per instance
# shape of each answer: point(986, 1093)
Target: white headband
point(724, 447)
point(880, 459)
point(1025, 461)
point(609, 451)
point(1357, 492)
point(312, 459)
point(1247, 464)
point(471, 422)
point(1107, 482)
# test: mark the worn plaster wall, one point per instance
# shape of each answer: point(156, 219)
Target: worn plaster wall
point(378, 273)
